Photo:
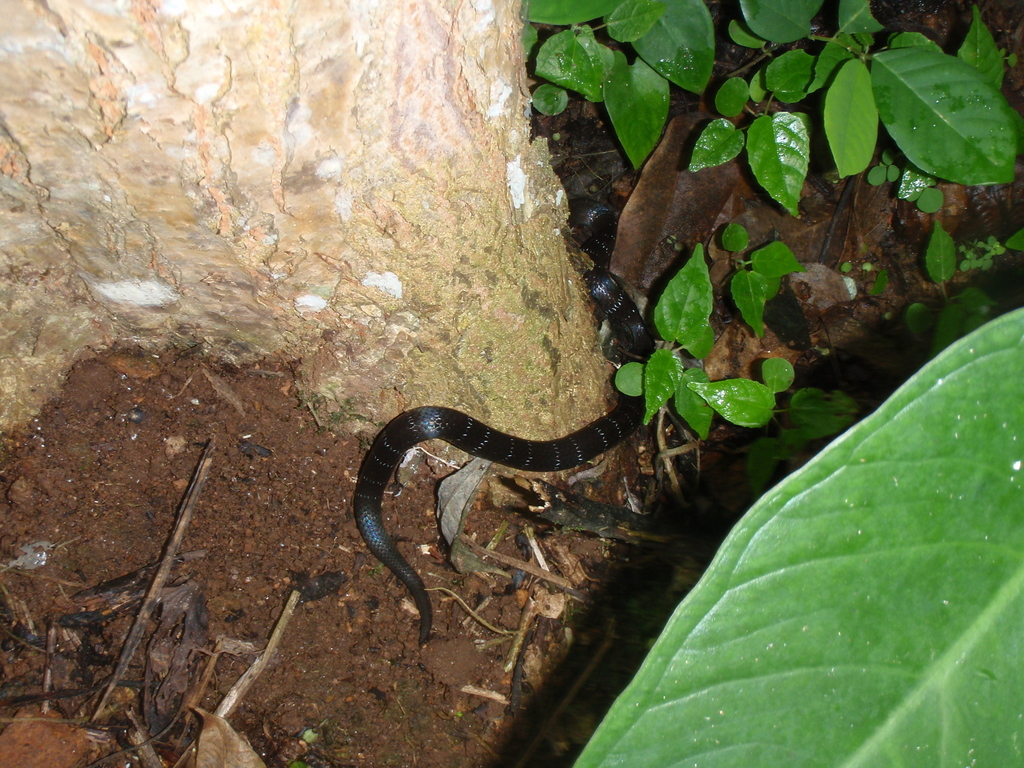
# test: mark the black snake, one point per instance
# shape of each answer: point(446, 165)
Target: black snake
point(412, 427)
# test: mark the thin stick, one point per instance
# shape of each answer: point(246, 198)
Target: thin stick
point(242, 685)
point(188, 505)
point(553, 579)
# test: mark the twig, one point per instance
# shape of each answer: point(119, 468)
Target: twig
point(242, 685)
point(188, 505)
point(557, 581)
point(476, 616)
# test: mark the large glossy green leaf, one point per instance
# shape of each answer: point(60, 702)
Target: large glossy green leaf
point(855, 17)
point(868, 610)
point(851, 120)
point(948, 119)
point(568, 11)
point(778, 147)
point(781, 21)
point(574, 60)
point(681, 44)
point(637, 101)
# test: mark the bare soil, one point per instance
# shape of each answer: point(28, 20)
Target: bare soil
point(100, 474)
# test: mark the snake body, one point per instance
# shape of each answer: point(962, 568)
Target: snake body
point(412, 427)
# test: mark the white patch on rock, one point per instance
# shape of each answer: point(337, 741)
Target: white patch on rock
point(387, 282)
point(311, 302)
point(500, 91)
point(516, 182)
point(142, 293)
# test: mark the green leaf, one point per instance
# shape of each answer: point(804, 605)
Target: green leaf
point(913, 40)
point(866, 611)
point(946, 117)
point(816, 414)
point(562, 12)
point(877, 175)
point(629, 379)
point(762, 459)
point(930, 200)
point(949, 326)
point(718, 143)
point(851, 120)
point(779, 148)
point(1016, 240)
point(881, 283)
point(790, 75)
point(684, 307)
point(758, 89)
point(681, 44)
point(855, 17)
point(912, 182)
point(549, 99)
point(981, 52)
point(749, 291)
point(732, 96)
point(662, 374)
point(744, 402)
point(529, 39)
point(691, 406)
point(827, 63)
point(781, 21)
point(740, 34)
point(734, 237)
point(918, 318)
point(573, 61)
point(633, 19)
point(637, 101)
point(775, 260)
point(777, 374)
point(940, 256)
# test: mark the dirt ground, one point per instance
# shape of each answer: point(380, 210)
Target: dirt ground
point(100, 474)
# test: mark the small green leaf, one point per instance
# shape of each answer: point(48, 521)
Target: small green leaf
point(851, 120)
point(775, 260)
point(684, 307)
point(949, 326)
point(948, 119)
point(827, 63)
point(981, 52)
point(637, 101)
point(732, 96)
point(1016, 240)
point(913, 40)
point(892, 173)
point(918, 318)
point(734, 237)
point(749, 291)
point(743, 402)
point(816, 414)
point(940, 256)
point(632, 20)
point(740, 34)
point(529, 39)
point(790, 75)
point(780, 22)
point(681, 44)
point(881, 282)
point(758, 88)
point(855, 17)
point(718, 143)
point(549, 99)
point(662, 375)
point(691, 406)
point(912, 182)
point(930, 200)
point(563, 12)
point(573, 62)
point(629, 379)
point(779, 149)
point(777, 374)
point(877, 175)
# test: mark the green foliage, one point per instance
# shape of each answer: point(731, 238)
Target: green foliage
point(866, 610)
point(944, 113)
point(681, 317)
point(674, 41)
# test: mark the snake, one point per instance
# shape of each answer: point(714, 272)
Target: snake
point(594, 224)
